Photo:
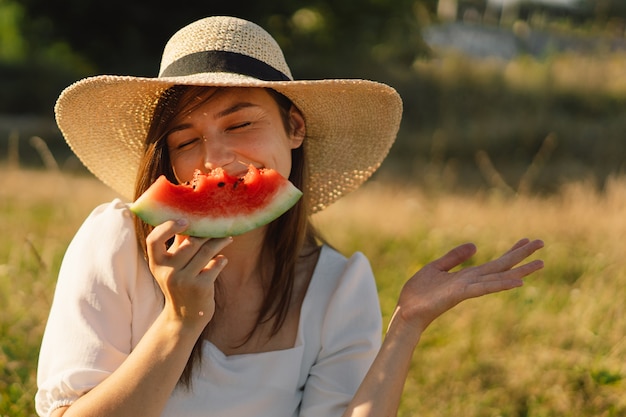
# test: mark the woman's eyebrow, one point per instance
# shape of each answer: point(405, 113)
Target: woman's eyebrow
point(178, 128)
point(232, 109)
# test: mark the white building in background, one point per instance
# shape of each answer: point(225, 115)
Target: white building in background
point(508, 28)
point(496, 11)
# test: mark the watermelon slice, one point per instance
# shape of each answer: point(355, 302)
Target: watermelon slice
point(218, 204)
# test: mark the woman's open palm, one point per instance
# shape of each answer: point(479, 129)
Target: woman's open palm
point(434, 289)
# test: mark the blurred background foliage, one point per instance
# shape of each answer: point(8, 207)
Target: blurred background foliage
point(44, 45)
point(503, 123)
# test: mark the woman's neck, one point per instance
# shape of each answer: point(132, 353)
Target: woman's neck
point(243, 258)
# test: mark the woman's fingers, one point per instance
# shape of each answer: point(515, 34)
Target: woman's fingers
point(190, 254)
point(520, 251)
point(213, 268)
point(502, 274)
point(201, 253)
point(157, 239)
point(501, 281)
point(519, 244)
point(455, 257)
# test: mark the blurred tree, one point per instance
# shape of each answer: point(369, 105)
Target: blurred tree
point(123, 36)
point(12, 45)
point(609, 9)
point(321, 38)
point(31, 70)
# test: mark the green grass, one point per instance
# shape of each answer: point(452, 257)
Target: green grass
point(36, 227)
point(554, 347)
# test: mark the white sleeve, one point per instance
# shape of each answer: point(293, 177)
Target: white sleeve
point(351, 334)
point(88, 333)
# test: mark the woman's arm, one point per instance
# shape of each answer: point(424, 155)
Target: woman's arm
point(428, 294)
point(186, 273)
point(143, 383)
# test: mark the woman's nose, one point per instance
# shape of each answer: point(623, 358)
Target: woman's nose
point(216, 153)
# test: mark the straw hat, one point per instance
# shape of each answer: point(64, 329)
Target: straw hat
point(350, 124)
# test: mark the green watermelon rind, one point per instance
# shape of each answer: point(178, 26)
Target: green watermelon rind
point(154, 213)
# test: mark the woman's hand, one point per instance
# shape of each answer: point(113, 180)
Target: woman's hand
point(186, 271)
point(434, 289)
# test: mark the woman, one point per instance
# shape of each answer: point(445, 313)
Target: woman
point(274, 323)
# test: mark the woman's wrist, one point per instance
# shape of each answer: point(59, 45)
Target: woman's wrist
point(181, 328)
point(403, 331)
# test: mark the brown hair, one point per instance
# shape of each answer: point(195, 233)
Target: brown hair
point(285, 238)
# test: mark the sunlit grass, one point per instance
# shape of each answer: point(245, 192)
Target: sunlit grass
point(554, 347)
point(40, 212)
point(584, 73)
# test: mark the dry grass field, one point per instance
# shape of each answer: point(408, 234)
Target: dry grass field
point(555, 347)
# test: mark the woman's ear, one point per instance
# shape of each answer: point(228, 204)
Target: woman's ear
point(298, 128)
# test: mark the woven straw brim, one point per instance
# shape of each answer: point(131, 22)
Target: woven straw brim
point(351, 125)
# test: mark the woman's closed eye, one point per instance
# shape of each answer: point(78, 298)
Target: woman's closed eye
point(187, 144)
point(239, 126)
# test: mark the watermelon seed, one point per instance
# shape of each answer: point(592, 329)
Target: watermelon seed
point(239, 180)
point(221, 184)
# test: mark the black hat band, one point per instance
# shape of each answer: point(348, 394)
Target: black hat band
point(223, 61)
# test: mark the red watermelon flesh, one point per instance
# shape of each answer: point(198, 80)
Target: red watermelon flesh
point(217, 204)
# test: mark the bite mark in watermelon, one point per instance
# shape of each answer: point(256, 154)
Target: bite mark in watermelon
point(217, 204)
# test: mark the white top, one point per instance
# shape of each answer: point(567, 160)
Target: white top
point(106, 299)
